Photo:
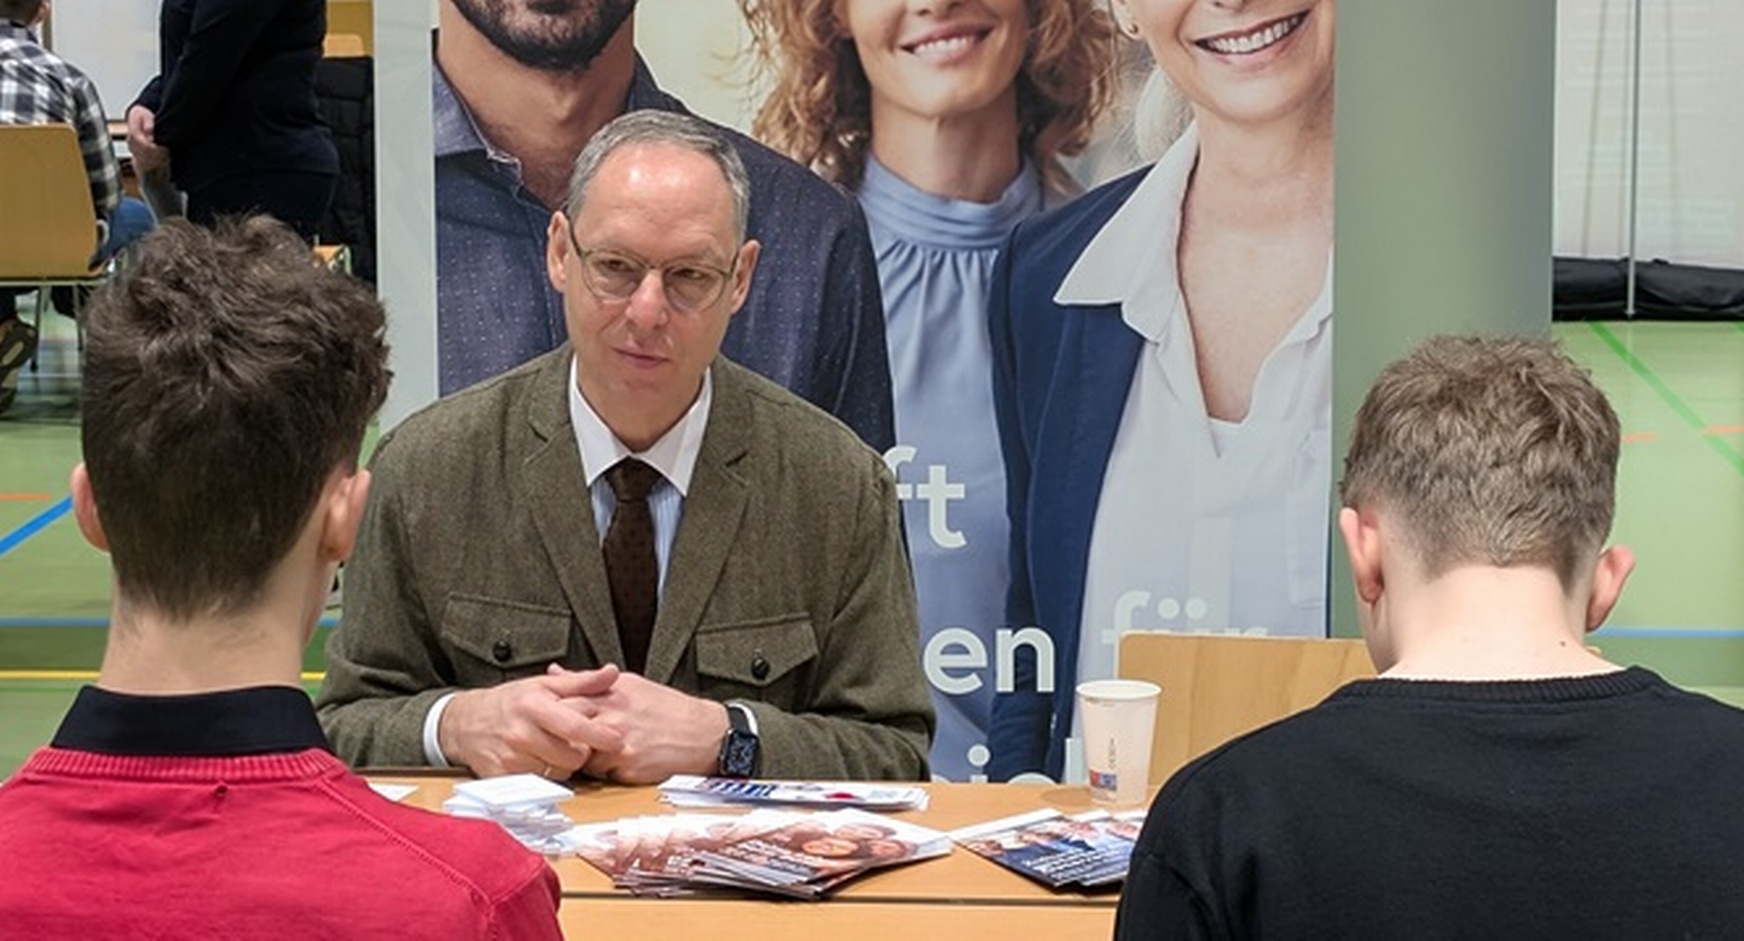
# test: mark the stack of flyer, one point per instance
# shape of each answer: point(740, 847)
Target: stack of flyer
point(1085, 851)
point(525, 805)
point(802, 855)
point(689, 790)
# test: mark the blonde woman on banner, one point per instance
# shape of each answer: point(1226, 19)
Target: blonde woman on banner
point(1162, 367)
point(947, 118)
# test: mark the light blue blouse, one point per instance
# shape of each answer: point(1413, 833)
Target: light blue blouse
point(935, 266)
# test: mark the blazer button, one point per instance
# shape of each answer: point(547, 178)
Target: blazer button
point(502, 650)
point(760, 667)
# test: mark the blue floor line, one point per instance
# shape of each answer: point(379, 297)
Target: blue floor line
point(35, 525)
point(54, 622)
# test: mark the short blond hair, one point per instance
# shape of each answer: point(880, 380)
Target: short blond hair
point(1490, 450)
point(819, 111)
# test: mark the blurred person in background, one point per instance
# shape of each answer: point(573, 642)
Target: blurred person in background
point(233, 114)
point(39, 87)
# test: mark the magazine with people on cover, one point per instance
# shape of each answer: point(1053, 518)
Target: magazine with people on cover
point(690, 790)
point(1089, 850)
point(803, 855)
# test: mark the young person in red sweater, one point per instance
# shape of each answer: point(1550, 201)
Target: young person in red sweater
point(190, 792)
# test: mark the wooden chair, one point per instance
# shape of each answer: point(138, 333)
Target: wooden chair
point(334, 257)
point(50, 233)
point(1216, 687)
point(343, 46)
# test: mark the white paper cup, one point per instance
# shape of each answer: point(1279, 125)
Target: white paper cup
point(1119, 717)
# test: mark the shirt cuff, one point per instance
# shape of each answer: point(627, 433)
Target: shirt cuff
point(432, 744)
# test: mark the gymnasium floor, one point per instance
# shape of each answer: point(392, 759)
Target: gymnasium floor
point(1679, 388)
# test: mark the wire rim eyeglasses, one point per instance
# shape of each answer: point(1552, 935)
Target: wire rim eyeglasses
point(613, 276)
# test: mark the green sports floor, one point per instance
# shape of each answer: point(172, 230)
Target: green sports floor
point(1679, 388)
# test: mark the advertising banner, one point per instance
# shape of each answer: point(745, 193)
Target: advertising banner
point(1066, 264)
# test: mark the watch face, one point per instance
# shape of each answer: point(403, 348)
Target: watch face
point(739, 756)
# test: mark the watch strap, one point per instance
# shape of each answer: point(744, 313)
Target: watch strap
point(740, 718)
point(740, 749)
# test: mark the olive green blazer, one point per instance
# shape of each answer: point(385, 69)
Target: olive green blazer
point(788, 586)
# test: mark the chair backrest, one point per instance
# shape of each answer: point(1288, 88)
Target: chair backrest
point(343, 46)
point(1216, 687)
point(48, 225)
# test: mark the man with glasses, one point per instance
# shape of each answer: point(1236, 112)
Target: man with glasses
point(519, 87)
point(630, 557)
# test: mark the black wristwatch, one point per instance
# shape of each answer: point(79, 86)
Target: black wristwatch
point(739, 749)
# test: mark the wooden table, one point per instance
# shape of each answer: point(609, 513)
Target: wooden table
point(961, 894)
point(837, 919)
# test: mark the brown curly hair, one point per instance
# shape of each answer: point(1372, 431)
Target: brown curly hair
point(819, 110)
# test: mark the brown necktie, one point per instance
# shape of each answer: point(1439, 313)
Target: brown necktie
point(630, 564)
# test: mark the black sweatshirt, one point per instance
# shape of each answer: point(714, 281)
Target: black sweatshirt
point(1598, 807)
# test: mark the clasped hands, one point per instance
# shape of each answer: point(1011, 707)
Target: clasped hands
point(605, 723)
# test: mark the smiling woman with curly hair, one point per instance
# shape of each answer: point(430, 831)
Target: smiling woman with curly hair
point(821, 106)
point(948, 119)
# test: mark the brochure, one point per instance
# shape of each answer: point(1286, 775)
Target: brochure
point(1090, 850)
point(524, 804)
point(689, 790)
point(802, 855)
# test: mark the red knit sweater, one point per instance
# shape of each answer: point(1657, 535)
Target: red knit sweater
point(256, 846)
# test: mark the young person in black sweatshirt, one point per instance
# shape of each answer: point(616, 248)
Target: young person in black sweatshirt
point(1500, 779)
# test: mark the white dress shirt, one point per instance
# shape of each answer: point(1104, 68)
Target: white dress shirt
point(1202, 525)
point(674, 456)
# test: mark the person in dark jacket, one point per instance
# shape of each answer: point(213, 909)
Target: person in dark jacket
point(233, 113)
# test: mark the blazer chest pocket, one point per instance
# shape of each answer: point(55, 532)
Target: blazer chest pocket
point(493, 640)
point(759, 660)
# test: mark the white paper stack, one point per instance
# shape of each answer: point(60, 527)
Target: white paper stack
point(524, 804)
point(689, 790)
point(393, 792)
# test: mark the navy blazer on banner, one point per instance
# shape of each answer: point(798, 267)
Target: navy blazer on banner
point(1061, 375)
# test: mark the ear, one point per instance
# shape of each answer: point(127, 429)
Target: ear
point(748, 255)
point(85, 509)
point(557, 251)
point(1362, 545)
point(1613, 570)
point(342, 507)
